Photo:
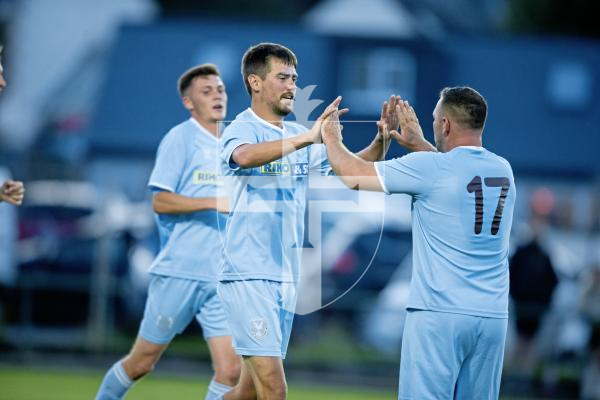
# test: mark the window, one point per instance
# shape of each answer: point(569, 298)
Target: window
point(370, 76)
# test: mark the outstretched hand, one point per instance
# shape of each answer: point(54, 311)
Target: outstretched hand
point(331, 129)
point(410, 135)
point(389, 117)
point(12, 192)
point(315, 131)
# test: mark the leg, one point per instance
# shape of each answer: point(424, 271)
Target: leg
point(139, 362)
point(245, 389)
point(481, 371)
point(260, 330)
point(168, 311)
point(433, 347)
point(527, 326)
point(262, 378)
point(142, 358)
point(226, 365)
point(268, 377)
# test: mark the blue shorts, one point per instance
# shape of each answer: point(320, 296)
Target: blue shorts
point(451, 356)
point(259, 324)
point(172, 304)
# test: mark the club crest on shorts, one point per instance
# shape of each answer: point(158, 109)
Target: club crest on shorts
point(258, 328)
point(164, 323)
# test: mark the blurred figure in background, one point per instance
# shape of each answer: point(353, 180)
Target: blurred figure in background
point(532, 283)
point(590, 308)
point(8, 239)
point(11, 191)
point(190, 206)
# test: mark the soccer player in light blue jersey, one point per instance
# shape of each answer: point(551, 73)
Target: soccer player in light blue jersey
point(462, 205)
point(189, 202)
point(265, 162)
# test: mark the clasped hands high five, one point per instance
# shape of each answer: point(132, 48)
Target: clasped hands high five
point(397, 121)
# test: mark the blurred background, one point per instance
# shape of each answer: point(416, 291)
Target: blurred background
point(92, 90)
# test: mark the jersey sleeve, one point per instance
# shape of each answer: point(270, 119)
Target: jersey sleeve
point(318, 161)
point(235, 135)
point(412, 174)
point(169, 164)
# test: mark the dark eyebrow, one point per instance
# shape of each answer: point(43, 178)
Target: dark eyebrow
point(220, 85)
point(286, 75)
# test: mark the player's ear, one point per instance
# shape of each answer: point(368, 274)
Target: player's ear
point(445, 126)
point(255, 82)
point(187, 103)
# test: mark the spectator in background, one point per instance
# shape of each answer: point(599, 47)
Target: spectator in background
point(8, 238)
point(590, 308)
point(11, 191)
point(532, 282)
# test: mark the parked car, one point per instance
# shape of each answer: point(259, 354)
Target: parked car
point(76, 258)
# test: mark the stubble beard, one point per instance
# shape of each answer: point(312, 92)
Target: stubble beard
point(281, 110)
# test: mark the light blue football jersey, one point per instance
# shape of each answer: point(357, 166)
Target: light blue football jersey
point(187, 164)
point(462, 211)
point(265, 228)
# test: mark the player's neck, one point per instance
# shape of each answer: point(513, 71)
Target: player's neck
point(211, 126)
point(266, 113)
point(470, 138)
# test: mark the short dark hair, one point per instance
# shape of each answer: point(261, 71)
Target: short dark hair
point(466, 104)
point(185, 81)
point(256, 60)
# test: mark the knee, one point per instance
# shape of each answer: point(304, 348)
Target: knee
point(229, 374)
point(248, 394)
point(277, 390)
point(138, 368)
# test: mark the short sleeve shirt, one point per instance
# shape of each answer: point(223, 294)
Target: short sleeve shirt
point(462, 208)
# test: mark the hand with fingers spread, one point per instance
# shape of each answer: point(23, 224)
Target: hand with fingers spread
point(383, 132)
point(410, 135)
point(389, 117)
point(12, 192)
point(332, 130)
point(315, 131)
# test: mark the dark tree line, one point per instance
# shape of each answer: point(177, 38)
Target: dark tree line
point(554, 17)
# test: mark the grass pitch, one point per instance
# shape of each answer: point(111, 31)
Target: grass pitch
point(37, 384)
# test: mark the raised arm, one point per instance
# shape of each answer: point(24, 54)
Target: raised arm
point(165, 202)
point(355, 172)
point(359, 174)
point(254, 155)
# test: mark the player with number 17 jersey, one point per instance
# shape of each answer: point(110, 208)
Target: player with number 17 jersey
point(468, 194)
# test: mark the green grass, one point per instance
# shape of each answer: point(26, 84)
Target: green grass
point(36, 384)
